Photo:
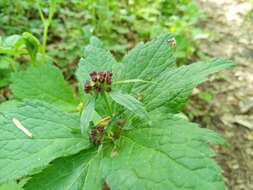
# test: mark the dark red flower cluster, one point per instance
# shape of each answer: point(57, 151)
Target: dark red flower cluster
point(97, 134)
point(101, 81)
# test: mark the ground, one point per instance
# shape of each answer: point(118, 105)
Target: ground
point(230, 113)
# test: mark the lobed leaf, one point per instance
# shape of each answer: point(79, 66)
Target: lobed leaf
point(147, 61)
point(172, 88)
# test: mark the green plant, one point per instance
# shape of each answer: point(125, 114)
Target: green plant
point(46, 21)
point(16, 46)
point(128, 134)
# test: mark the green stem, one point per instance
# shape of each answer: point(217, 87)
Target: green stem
point(46, 23)
point(107, 103)
point(44, 41)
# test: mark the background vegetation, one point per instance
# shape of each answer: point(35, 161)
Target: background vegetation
point(119, 24)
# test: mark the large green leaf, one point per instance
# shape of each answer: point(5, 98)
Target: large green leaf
point(82, 171)
point(172, 88)
point(147, 61)
point(44, 82)
point(172, 154)
point(52, 138)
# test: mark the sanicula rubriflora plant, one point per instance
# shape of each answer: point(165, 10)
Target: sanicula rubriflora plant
point(128, 133)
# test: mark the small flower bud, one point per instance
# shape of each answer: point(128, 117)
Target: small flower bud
point(100, 129)
point(97, 134)
point(101, 79)
point(94, 76)
point(108, 77)
point(108, 81)
point(97, 87)
point(102, 76)
point(87, 87)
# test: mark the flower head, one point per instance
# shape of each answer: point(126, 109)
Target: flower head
point(97, 134)
point(100, 82)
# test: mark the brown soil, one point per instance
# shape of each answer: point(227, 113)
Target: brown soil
point(230, 113)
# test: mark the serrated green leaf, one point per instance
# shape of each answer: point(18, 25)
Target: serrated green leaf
point(43, 82)
point(147, 61)
point(87, 115)
point(129, 102)
point(81, 171)
point(172, 88)
point(173, 154)
point(52, 137)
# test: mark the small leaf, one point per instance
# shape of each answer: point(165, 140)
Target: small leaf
point(87, 115)
point(32, 44)
point(129, 102)
point(206, 96)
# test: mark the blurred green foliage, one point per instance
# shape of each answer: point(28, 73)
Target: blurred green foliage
point(120, 24)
